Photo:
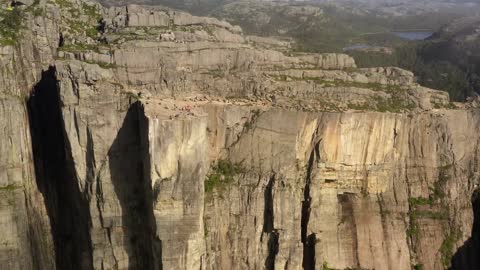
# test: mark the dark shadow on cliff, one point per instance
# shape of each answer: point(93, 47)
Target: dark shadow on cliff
point(308, 240)
point(268, 225)
point(67, 206)
point(133, 192)
point(467, 257)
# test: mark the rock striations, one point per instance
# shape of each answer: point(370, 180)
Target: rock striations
point(148, 138)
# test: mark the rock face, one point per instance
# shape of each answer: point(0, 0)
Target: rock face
point(25, 237)
point(369, 191)
point(175, 168)
point(168, 141)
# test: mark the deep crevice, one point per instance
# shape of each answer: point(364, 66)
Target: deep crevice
point(467, 256)
point(272, 250)
point(268, 201)
point(347, 221)
point(67, 206)
point(268, 225)
point(151, 194)
point(308, 240)
point(133, 191)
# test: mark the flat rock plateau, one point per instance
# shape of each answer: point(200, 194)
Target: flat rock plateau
point(148, 138)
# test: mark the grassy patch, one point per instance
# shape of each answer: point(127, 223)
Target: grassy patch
point(361, 107)
point(91, 11)
point(9, 188)
point(249, 124)
point(35, 9)
point(102, 64)
point(205, 229)
point(429, 214)
point(413, 229)
point(437, 191)
point(215, 73)
point(133, 96)
point(433, 208)
point(80, 47)
point(325, 266)
point(447, 248)
point(394, 104)
point(417, 267)
point(63, 4)
point(420, 201)
point(222, 174)
point(11, 26)
point(80, 28)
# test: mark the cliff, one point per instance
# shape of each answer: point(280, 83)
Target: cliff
point(137, 138)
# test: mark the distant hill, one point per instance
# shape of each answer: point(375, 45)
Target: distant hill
point(390, 7)
point(459, 44)
point(449, 60)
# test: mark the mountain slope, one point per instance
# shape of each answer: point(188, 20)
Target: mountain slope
point(148, 138)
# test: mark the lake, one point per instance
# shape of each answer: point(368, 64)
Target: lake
point(413, 35)
point(356, 47)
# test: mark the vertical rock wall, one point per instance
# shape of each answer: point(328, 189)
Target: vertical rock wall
point(176, 168)
point(26, 238)
point(369, 191)
point(112, 182)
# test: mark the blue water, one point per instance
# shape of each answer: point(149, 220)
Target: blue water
point(356, 47)
point(413, 35)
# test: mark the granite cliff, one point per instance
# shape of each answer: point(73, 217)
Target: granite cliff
point(148, 138)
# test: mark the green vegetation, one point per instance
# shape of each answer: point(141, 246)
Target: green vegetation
point(395, 104)
point(340, 83)
point(361, 107)
point(82, 47)
point(418, 267)
point(11, 25)
point(420, 201)
point(64, 4)
point(133, 96)
point(437, 191)
point(432, 72)
point(222, 174)
point(327, 28)
point(205, 229)
point(35, 9)
point(431, 207)
point(435, 215)
point(413, 230)
point(79, 27)
point(447, 248)
point(249, 124)
point(91, 11)
point(215, 73)
point(328, 106)
point(102, 64)
point(79, 21)
point(10, 187)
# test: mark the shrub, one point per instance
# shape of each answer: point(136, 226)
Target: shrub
point(447, 249)
point(418, 267)
point(11, 24)
point(221, 174)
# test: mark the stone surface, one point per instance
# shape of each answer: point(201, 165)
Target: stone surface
point(170, 141)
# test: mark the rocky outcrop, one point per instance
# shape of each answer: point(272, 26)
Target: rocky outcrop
point(175, 168)
point(26, 241)
point(168, 141)
point(366, 203)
